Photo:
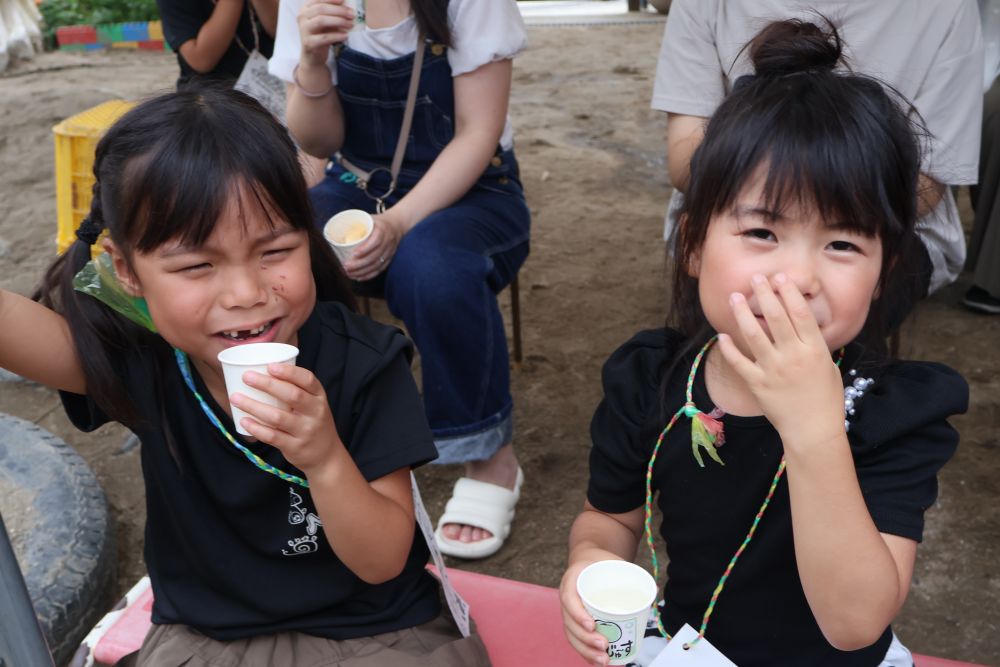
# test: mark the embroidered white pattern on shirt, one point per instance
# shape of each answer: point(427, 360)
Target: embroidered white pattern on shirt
point(299, 514)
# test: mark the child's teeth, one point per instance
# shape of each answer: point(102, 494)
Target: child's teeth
point(247, 333)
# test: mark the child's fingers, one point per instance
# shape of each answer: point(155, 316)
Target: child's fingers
point(745, 368)
point(799, 312)
point(590, 644)
point(266, 414)
point(302, 378)
point(259, 431)
point(773, 310)
point(758, 342)
point(578, 624)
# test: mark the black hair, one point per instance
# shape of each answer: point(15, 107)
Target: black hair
point(164, 171)
point(836, 140)
point(432, 19)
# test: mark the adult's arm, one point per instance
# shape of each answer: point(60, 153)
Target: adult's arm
point(684, 134)
point(313, 112)
point(204, 51)
point(481, 99)
point(929, 194)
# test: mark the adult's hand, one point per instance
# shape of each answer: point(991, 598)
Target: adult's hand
point(322, 23)
point(372, 257)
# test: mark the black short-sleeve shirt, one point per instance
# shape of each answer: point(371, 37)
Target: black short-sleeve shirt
point(899, 438)
point(236, 552)
point(182, 19)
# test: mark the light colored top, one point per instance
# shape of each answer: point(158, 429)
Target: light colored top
point(989, 11)
point(483, 31)
point(930, 51)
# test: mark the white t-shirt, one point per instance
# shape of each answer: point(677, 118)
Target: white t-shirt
point(989, 14)
point(929, 50)
point(483, 31)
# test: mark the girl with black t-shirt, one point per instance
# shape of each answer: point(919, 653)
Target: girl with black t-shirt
point(303, 550)
point(213, 39)
point(793, 458)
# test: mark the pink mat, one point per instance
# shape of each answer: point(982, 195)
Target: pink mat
point(502, 609)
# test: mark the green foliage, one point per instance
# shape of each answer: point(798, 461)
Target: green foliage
point(59, 13)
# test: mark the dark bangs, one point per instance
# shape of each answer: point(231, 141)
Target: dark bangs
point(168, 169)
point(836, 141)
point(827, 141)
point(207, 152)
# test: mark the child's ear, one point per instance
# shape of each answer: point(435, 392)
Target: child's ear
point(126, 278)
point(694, 261)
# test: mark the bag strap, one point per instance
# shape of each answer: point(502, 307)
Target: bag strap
point(411, 103)
point(364, 177)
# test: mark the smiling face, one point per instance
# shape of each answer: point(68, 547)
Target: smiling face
point(250, 282)
point(837, 270)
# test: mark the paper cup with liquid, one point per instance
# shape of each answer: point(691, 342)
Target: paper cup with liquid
point(619, 595)
point(346, 230)
point(239, 359)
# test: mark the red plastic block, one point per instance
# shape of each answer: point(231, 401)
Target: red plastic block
point(76, 34)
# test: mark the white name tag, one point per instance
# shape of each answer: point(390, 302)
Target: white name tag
point(459, 607)
point(258, 83)
point(702, 654)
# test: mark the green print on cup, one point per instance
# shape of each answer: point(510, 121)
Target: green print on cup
point(359, 10)
point(618, 595)
point(622, 642)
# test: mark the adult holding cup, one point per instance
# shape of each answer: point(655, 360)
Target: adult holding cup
point(433, 163)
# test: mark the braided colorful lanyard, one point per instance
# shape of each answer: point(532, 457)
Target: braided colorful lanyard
point(182, 363)
point(706, 433)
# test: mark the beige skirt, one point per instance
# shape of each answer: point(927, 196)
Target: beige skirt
point(434, 644)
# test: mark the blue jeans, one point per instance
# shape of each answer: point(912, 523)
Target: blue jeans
point(443, 280)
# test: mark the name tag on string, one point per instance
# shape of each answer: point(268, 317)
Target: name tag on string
point(459, 607)
point(259, 84)
point(702, 654)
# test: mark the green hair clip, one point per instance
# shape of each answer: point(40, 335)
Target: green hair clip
point(97, 278)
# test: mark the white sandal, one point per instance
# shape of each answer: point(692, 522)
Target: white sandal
point(482, 505)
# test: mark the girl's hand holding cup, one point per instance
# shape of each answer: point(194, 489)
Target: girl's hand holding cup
point(577, 622)
point(304, 431)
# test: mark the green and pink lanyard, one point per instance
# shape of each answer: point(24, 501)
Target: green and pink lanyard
point(706, 434)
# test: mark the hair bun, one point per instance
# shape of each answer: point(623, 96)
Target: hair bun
point(793, 45)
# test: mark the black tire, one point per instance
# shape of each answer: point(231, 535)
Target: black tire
point(66, 546)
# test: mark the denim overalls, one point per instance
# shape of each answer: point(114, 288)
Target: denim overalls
point(444, 278)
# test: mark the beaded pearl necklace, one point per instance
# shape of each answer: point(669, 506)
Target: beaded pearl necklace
point(706, 433)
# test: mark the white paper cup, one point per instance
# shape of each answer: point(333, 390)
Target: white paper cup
point(619, 595)
point(359, 10)
point(338, 231)
point(239, 359)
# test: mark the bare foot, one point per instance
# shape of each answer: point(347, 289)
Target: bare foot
point(500, 470)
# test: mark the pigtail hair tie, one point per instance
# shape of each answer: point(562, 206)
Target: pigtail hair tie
point(89, 231)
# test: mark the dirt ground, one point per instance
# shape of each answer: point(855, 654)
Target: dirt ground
point(591, 153)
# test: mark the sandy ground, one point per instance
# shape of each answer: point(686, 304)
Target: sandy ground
point(592, 160)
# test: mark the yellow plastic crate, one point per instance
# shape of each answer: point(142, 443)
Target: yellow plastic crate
point(75, 140)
